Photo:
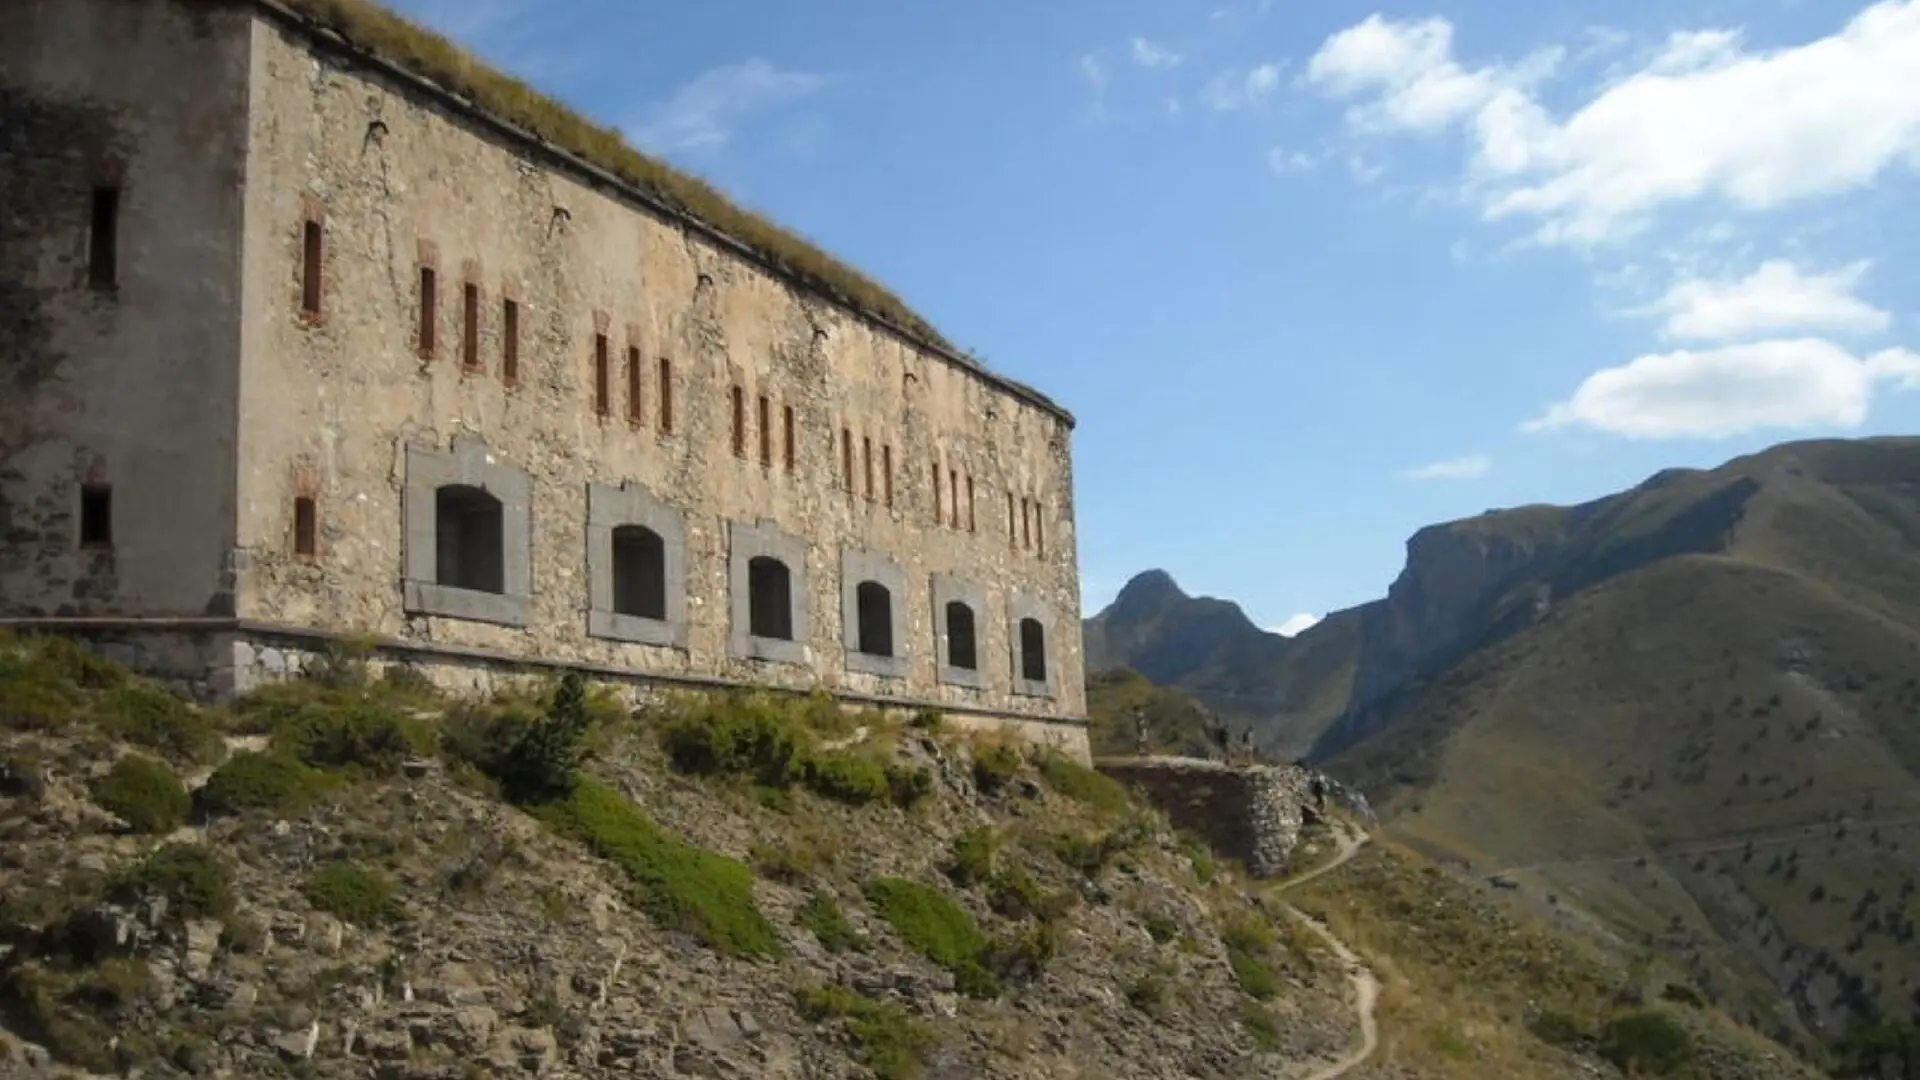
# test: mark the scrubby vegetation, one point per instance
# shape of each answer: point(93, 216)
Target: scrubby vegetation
point(428, 54)
point(145, 794)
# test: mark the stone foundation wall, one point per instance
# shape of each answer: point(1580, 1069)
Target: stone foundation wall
point(213, 660)
point(1248, 812)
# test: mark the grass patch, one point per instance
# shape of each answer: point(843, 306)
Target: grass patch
point(194, 882)
point(275, 782)
point(145, 794)
point(146, 715)
point(937, 928)
point(971, 860)
point(681, 886)
point(1078, 782)
point(995, 764)
point(349, 728)
point(352, 893)
point(776, 746)
point(823, 916)
point(886, 1038)
point(1250, 943)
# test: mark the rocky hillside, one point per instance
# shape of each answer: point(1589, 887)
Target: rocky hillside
point(352, 876)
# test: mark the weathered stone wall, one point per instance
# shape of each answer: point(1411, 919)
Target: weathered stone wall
point(337, 408)
point(132, 385)
point(1248, 812)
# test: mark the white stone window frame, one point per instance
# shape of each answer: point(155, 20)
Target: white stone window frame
point(856, 568)
point(1022, 606)
point(609, 508)
point(947, 589)
point(472, 464)
point(746, 542)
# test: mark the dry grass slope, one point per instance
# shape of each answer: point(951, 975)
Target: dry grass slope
point(427, 54)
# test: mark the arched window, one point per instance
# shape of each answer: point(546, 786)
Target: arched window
point(874, 606)
point(769, 598)
point(1033, 651)
point(962, 651)
point(639, 572)
point(470, 549)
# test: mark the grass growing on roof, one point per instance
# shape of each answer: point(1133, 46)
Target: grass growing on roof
point(425, 53)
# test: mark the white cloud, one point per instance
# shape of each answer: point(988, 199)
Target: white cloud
point(1147, 54)
point(1242, 89)
point(1460, 468)
point(1283, 161)
point(1776, 298)
point(1294, 625)
point(702, 113)
point(1700, 119)
point(1792, 383)
point(1092, 70)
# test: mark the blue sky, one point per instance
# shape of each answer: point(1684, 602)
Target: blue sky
point(1312, 276)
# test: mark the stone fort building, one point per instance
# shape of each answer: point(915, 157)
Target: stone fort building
point(303, 337)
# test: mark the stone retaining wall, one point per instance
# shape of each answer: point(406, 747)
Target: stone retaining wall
point(1252, 813)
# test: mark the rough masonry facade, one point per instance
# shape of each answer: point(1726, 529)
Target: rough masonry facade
point(298, 347)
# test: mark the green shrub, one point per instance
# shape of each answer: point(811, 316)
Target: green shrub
point(679, 885)
point(971, 860)
point(32, 698)
point(929, 720)
point(994, 766)
point(542, 761)
point(145, 794)
point(1147, 993)
point(194, 882)
point(1022, 954)
point(1250, 943)
point(337, 727)
point(909, 784)
point(822, 915)
point(888, 1040)
point(1078, 782)
point(783, 862)
point(1162, 928)
point(149, 716)
point(67, 660)
point(1200, 857)
point(852, 778)
point(1013, 893)
point(352, 893)
point(1559, 1029)
point(937, 928)
point(1261, 1026)
point(1645, 1042)
point(276, 782)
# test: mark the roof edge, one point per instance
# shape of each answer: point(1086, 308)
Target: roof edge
point(600, 177)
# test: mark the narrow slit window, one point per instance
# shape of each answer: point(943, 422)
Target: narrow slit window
point(936, 493)
point(312, 250)
point(103, 239)
point(1039, 530)
point(786, 425)
point(866, 463)
point(1013, 535)
point(635, 407)
point(972, 523)
point(886, 472)
point(739, 422)
point(470, 326)
point(1026, 524)
point(306, 525)
point(429, 303)
point(96, 515)
point(953, 497)
point(666, 396)
point(602, 391)
point(765, 418)
point(510, 342)
point(846, 460)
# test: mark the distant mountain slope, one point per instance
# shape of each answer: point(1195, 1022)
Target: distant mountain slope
point(1287, 689)
point(1690, 711)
